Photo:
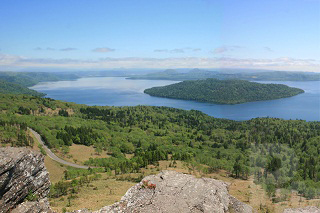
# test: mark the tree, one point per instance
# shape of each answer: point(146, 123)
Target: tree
point(270, 186)
point(274, 164)
point(237, 167)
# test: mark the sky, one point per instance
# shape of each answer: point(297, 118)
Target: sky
point(159, 34)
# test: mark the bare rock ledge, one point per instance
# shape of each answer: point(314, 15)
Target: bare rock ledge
point(22, 171)
point(174, 192)
point(170, 191)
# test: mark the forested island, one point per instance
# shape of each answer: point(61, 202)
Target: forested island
point(223, 91)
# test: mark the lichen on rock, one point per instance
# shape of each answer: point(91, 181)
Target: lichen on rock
point(171, 191)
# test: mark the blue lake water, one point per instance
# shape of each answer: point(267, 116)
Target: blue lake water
point(118, 91)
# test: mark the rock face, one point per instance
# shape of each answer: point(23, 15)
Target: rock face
point(308, 209)
point(40, 206)
point(22, 173)
point(171, 191)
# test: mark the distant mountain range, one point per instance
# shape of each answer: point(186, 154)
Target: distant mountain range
point(196, 74)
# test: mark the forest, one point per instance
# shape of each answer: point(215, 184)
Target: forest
point(18, 82)
point(223, 91)
point(277, 153)
point(13, 88)
point(28, 79)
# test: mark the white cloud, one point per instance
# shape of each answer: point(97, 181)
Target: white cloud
point(224, 49)
point(178, 50)
point(51, 49)
point(47, 48)
point(103, 50)
point(68, 49)
point(285, 63)
point(196, 49)
point(268, 49)
point(161, 50)
point(6, 59)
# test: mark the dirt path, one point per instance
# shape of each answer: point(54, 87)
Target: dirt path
point(52, 155)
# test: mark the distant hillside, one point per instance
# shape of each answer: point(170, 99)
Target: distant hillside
point(18, 82)
point(197, 74)
point(12, 88)
point(278, 76)
point(28, 79)
point(223, 91)
point(170, 74)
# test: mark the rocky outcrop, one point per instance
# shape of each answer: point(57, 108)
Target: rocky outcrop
point(40, 206)
point(22, 175)
point(308, 209)
point(171, 191)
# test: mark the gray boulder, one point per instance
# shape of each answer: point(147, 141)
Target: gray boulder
point(41, 206)
point(172, 192)
point(23, 173)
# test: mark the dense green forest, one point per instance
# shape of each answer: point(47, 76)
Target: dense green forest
point(18, 82)
point(279, 153)
point(13, 88)
point(197, 74)
point(28, 79)
point(223, 91)
point(14, 134)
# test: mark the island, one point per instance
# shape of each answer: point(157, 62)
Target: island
point(223, 91)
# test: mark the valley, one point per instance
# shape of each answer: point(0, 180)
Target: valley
point(127, 143)
point(160, 106)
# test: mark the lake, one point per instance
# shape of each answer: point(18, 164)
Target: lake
point(118, 91)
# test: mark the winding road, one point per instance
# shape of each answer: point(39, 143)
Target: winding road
point(52, 155)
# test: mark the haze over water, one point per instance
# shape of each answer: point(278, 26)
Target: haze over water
point(118, 91)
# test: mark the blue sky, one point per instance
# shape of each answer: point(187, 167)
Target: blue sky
point(107, 34)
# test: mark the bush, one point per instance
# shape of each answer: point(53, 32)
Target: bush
point(31, 196)
point(42, 149)
point(310, 193)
